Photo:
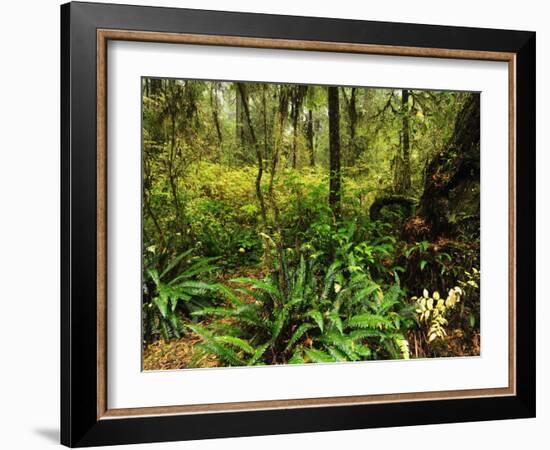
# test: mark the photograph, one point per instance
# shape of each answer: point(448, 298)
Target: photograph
point(294, 223)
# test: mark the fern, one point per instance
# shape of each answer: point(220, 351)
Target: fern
point(258, 353)
point(162, 296)
point(318, 356)
point(311, 321)
point(300, 331)
point(236, 342)
point(372, 321)
point(317, 317)
point(261, 285)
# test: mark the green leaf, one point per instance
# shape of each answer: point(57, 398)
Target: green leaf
point(298, 334)
point(278, 324)
point(224, 353)
point(236, 342)
point(258, 284)
point(317, 317)
point(337, 321)
point(153, 273)
point(318, 356)
point(337, 354)
point(423, 264)
point(175, 262)
point(162, 304)
point(296, 358)
point(258, 354)
point(373, 321)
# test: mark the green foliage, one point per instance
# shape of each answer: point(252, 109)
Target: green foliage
point(436, 314)
point(333, 314)
point(175, 289)
point(237, 175)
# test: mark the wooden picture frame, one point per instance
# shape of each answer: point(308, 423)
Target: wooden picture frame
point(86, 418)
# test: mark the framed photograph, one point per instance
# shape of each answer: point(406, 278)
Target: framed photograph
point(277, 224)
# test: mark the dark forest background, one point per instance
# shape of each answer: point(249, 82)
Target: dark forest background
point(295, 223)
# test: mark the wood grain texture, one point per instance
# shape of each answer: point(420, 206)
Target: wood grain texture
point(101, 225)
point(103, 36)
point(286, 44)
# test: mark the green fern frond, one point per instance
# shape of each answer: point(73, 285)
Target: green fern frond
point(258, 354)
point(278, 323)
point(318, 356)
point(260, 285)
point(365, 333)
point(342, 343)
point(235, 342)
point(224, 353)
point(373, 321)
point(335, 319)
point(336, 354)
point(296, 358)
point(175, 262)
point(300, 331)
point(317, 317)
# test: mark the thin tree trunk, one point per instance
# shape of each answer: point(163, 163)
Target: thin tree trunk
point(215, 112)
point(172, 172)
point(283, 106)
point(154, 219)
point(264, 110)
point(299, 92)
point(406, 182)
point(238, 116)
point(353, 116)
point(335, 182)
point(310, 138)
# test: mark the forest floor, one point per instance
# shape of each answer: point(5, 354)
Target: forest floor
point(174, 354)
point(179, 353)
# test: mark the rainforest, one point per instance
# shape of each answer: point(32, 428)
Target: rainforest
point(295, 224)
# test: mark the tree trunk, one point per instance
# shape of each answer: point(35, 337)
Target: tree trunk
point(406, 182)
point(264, 115)
point(299, 93)
point(352, 116)
point(278, 138)
point(242, 129)
point(310, 138)
point(238, 116)
point(452, 179)
point(173, 169)
point(334, 148)
point(215, 111)
point(259, 193)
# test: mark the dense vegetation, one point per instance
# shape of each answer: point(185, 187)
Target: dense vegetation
point(296, 224)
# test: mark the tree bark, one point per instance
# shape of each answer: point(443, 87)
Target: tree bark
point(310, 138)
point(406, 182)
point(352, 118)
point(451, 177)
point(215, 111)
point(299, 93)
point(258, 183)
point(280, 123)
point(335, 181)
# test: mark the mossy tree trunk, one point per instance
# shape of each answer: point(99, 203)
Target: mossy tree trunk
point(334, 149)
point(452, 179)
